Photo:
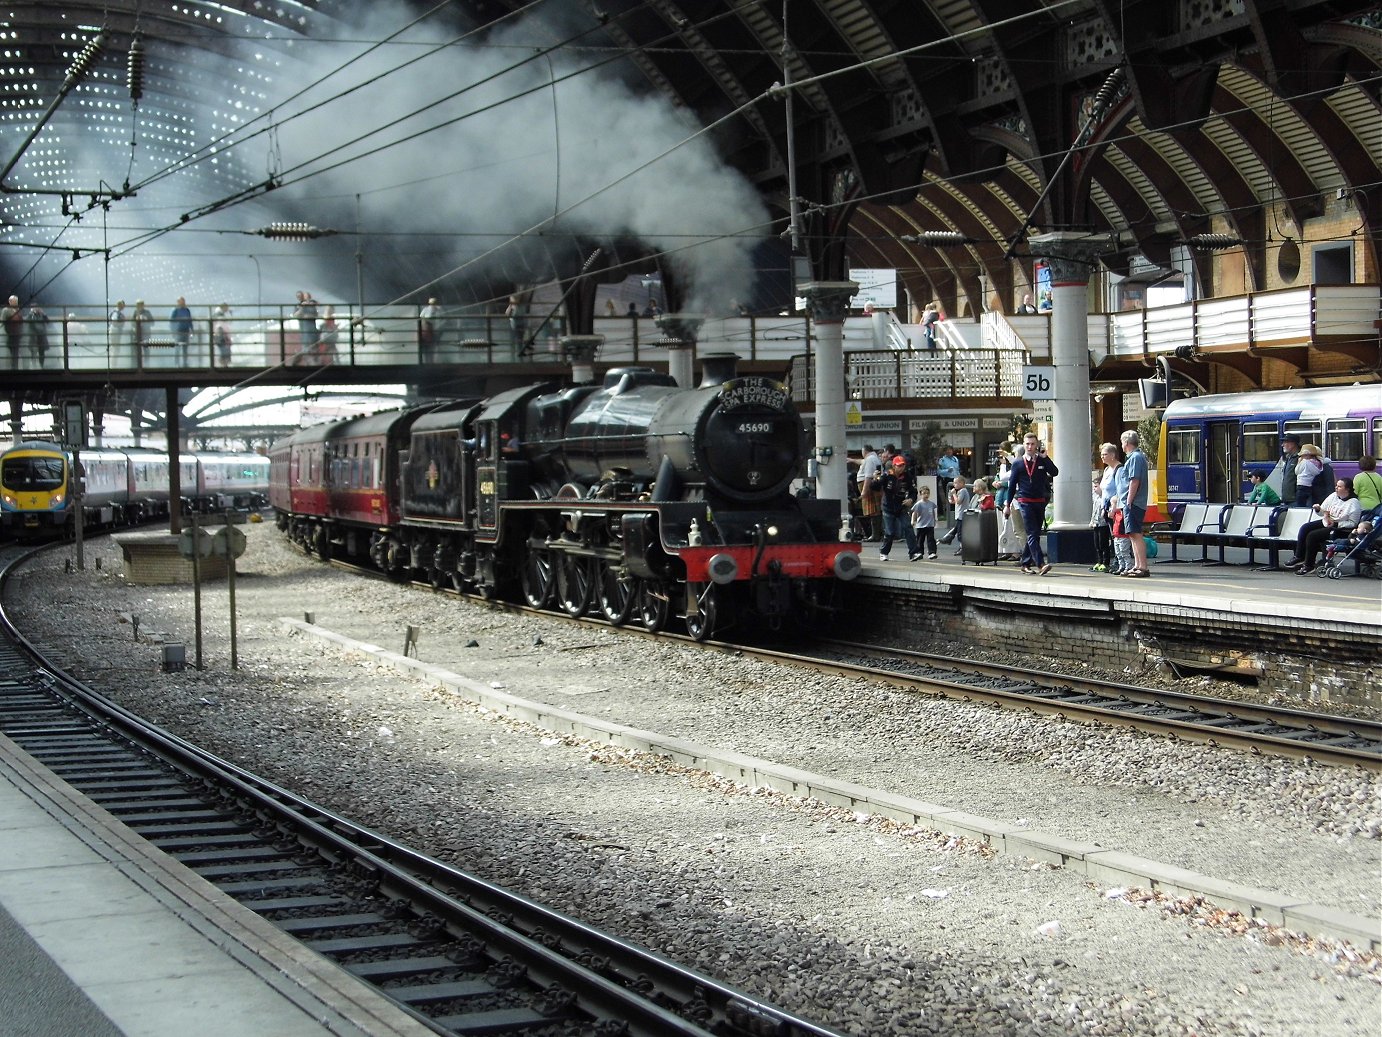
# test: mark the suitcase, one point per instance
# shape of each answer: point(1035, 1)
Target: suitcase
point(979, 538)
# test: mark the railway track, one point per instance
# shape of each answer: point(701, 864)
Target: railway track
point(460, 954)
point(1250, 727)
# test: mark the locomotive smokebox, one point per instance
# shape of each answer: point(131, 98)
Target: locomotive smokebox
point(718, 368)
point(679, 336)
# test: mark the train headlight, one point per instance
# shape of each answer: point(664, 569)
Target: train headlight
point(58, 498)
point(10, 501)
point(722, 568)
point(847, 565)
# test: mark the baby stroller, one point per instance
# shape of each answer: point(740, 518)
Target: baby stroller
point(1365, 552)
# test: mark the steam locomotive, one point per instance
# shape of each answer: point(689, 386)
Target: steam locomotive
point(633, 498)
point(121, 487)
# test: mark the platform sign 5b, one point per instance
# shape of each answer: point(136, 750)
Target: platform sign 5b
point(1038, 383)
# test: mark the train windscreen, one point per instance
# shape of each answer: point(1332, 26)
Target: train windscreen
point(32, 473)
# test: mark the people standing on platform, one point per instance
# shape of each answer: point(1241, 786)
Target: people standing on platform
point(37, 321)
point(947, 467)
point(959, 495)
point(327, 337)
point(306, 314)
point(610, 309)
point(140, 319)
point(897, 493)
point(117, 333)
point(1106, 489)
point(180, 323)
point(1133, 496)
point(1367, 484)
point(1027, 308)
point(868, 494)
point(1308, 469)
point(1339, 513)
point(929, 319)
point(220, 327)
point(632, 311)
point(429, 330)
point(12, 316)
point(924, 523)
point(1030, 489)
point(514, 313)
point(1261, 492)
point(1290, 456)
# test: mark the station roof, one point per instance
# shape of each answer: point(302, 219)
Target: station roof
point(929, 136)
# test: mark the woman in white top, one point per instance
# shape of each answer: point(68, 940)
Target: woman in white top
point(1339, 513)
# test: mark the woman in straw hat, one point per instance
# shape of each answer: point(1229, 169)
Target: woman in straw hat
point(1308, 468)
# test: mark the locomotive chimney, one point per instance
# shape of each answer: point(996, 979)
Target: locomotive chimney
point(679, 336)
point(580, 351)
point(718, 368)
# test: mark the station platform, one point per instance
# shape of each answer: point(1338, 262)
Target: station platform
point(103, 935)
point(1309, 640)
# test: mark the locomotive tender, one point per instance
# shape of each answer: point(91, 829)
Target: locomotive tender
point(122, 487)
point(633, 497)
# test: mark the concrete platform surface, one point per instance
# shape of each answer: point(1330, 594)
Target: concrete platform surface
point(101, 934)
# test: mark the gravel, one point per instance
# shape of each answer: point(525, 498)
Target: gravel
point(857, 923)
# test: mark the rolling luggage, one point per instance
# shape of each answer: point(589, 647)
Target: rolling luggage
point(979, 538)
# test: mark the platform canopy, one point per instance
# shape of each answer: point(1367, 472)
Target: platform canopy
point(401, 150)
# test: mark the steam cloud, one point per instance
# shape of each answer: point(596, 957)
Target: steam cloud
point(433, 204)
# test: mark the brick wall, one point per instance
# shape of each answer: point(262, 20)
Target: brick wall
point(1297, 662)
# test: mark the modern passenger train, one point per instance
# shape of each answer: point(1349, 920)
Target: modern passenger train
point(122, 487)
point(1210, 443)
point(632, 498)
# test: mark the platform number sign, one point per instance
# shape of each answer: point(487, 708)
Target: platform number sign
point(1038, 383)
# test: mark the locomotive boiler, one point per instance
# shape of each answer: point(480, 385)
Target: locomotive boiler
point(633, 498)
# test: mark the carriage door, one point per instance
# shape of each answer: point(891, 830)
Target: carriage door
point(1223, 463)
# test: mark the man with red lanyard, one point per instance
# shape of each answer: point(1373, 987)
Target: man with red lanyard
point(1030, 487)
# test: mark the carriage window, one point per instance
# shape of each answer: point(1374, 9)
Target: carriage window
point(1309, 431)
point(1376, 448)
point(1183, 446)
point(1260, 441)
point(1344, 438)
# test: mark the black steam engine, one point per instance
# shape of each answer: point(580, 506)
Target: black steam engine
point(634, 497)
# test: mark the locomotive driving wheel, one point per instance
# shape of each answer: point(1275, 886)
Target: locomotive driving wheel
point(653, 604)
point(618, 593)
point(575, 583)
point(700, 623)
point(538, 579)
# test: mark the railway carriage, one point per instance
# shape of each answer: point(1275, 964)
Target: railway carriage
point(122, 487)
point(1210, 443)
point(633, 498)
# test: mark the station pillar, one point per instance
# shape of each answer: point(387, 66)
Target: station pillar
point(1071, 258)
point(827, 303)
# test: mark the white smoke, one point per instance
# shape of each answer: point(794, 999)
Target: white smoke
point(514, 156)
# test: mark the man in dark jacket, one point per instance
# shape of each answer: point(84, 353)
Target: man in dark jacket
point(1290, 457)
point(1029, 487)
point(899, 491)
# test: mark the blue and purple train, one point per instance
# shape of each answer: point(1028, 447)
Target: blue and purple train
point(1210, 443)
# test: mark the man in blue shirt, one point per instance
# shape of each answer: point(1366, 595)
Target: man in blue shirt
point(947, 467)
point(180, 321)
point(1132, 494)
